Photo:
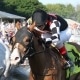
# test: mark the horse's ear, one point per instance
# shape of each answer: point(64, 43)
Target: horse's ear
point(31, 28)
point(12, 40)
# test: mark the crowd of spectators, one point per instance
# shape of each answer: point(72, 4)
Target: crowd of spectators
point(75, 37)
point(8, 29)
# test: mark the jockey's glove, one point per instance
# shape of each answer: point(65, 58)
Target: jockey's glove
point(48, 43)
point(43, 41)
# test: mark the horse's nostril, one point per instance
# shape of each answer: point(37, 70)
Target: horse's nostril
point(16, 58)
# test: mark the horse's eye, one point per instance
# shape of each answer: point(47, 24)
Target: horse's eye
point(26, 39)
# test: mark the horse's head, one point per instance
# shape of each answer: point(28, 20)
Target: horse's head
point(21, 43)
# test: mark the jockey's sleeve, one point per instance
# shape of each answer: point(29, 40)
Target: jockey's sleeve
point(63, 22)
point(55, 28)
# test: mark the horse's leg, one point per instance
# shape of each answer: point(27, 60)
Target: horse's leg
point(75, 76)
point(7, 69)
point(31, 76)
point(7, 63)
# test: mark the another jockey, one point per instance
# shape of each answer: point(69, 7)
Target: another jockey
point(54, 29)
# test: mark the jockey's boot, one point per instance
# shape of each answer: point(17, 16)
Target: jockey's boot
point(68, 63)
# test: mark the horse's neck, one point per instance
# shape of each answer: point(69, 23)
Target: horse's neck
point(37, 46)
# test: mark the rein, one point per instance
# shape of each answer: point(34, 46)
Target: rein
point(35, 53)
point(32, 52)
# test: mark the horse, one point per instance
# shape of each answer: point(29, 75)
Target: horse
point(75, 45)
point(6, 72)
point(74, 53)
point(4, 59)
point(45, 63)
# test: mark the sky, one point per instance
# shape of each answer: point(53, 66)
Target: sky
point(73, 2)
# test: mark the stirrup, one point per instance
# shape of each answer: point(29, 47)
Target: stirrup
point(67, 65)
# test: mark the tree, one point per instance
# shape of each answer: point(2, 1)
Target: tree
point(65, 11)
point(2, 5)
point(78, 13)
point(23, 7)
point(70, 11)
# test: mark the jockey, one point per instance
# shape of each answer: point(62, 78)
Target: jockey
point(54, 29)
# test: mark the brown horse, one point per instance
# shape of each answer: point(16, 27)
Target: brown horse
point(45, 63)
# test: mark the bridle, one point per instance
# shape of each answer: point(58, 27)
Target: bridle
point(30, 51)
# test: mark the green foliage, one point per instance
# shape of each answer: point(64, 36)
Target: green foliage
point(69, 11)
point(66, 11)
point(2, 5)
point(78, 13)
point(25, 8)
point(61, 9)
point(22, 7)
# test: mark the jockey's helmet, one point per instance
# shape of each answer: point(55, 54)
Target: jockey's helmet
point(39, 17)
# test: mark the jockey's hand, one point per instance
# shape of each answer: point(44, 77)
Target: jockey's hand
point(48, 43)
